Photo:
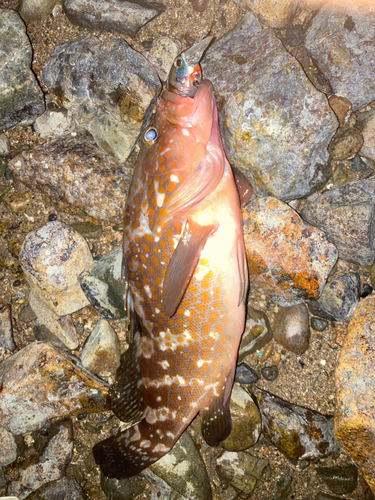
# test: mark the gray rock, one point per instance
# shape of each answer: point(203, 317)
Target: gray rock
point(101, 283)
point(122, 489)
point(102, 350)
point(42, 334)
point(26, 314)
point(39, 383)
point(347, 215)
point(242, 470)
point(110, 89)
point(275, 13)
point(299, 433)
point(51, 258)
point(341, 479)
point(115, 16)
point(88, 230)
point(54, 123)
point(183, 470)
point(270, 372)
point(339, 298)
point(291, 328)
point(257, 333)
point(245, 374)
point(341, 41)
point(246, 421)
point(366, 122)
point(319, 324)
point(51, 464)
point(275, 125)
point(76, 170)
point(4, 145)
point(8, 447)
point(65, 488)
point(36, 10)
point(21, 98)
point(6, 328)
point(3, 481)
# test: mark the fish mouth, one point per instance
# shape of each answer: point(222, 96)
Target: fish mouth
point(195, 53)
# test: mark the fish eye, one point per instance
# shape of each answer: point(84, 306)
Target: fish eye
point(178, 62)
point(150, 135)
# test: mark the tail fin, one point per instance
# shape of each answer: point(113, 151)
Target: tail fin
point(130, 451)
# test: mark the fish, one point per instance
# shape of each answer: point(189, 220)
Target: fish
point(186, 279)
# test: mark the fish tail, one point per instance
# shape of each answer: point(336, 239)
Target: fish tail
point(131, 451)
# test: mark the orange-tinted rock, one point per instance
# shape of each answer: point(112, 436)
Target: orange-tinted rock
point(355, 390)
point(289, 260)
point(341, 107)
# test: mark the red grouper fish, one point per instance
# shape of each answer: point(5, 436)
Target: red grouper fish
point(187, 280)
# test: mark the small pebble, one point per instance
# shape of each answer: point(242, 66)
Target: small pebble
point(4, 145)
point(323, 362)
point(52, 217)
point(318, 324)
point(341, 479)
point(270, 372)
point(366, 290)
point(245, 374)
point(88, 229)
point(26, 315)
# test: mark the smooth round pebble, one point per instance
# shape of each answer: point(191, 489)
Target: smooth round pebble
point(245, 374)
point(318, 324)
point(270, 372)
point(291, 328)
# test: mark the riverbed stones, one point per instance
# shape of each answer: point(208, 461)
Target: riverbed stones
point(57, 123)
point(275, 13)
point(347, 215)
point(8, 447)
point(115, 16)
point(355, 389)
point(52, 257)
point(76, 170)
point(6, 328)
point(275, 125)
point(341, 41)
point(366, 122)
point(341, 479)
point(298, 432)
point(289, 260)
point(21, 98)
point(39, 383)
point(36, 10)
point(109, 87)
point(291, 328)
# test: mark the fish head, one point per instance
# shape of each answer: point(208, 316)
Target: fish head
point(186, 74)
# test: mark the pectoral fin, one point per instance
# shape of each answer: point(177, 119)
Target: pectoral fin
point(182, 264)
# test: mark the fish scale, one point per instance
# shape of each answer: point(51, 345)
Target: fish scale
point(187, 280)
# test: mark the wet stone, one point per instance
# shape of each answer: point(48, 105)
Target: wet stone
point(51, 464)
point(318, 324)
point(366, 290)
point(270, 372)
point(6, 328)
point(347, 215)
point(294, 35)
point(56, 123)
point(4, 145)
point(337, 32)
point(36, 10)
point(40, 383)
point(42, 334)
point(355, 389)
point(8, 447)
point(183, 470)
point(76, 170)
point(88, 229)
point(289, 260)
point(283, 486)
point(17, 201)
point(262, 95)
point(341, 479)
point(26, 314)
point(60, 489)
point(366, 122)
point(21, 98)
point(257, 333)
point(101, 284)
point(341, 106)
point(245, 374)
point(298, 432)
point(163, 52)
point(291, 328)
point(339, 298)
point(122, 489)
point(102, 350)
point(275, 13)
point(118, 84)
point(345, 144)
point(242, 470)
point(115, 16)
point(246, 421)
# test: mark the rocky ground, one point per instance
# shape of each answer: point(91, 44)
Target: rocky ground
point(303, 374)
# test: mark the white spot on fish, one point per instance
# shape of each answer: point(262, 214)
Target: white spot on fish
point(145, 443)
point(187, 312)
point(160, 199)
point(160, 448)
point(148, 291)
point(158, 399)
point(164, 364)
point(174, 178)
point(201, 362)
point(213, 335)
point(157, 310)
point(185, 132)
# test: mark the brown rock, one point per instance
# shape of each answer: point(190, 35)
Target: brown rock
point(355, 390)
point(76, 170)
point(288, 259)
point(341, 107)
point(39, 383)
point(346, 144)
point(275, 13)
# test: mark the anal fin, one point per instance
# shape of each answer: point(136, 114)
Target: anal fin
point(182, 264)
point(216, 419)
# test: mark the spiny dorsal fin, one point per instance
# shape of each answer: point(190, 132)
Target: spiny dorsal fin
point(182, 264)
point(125, 398)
